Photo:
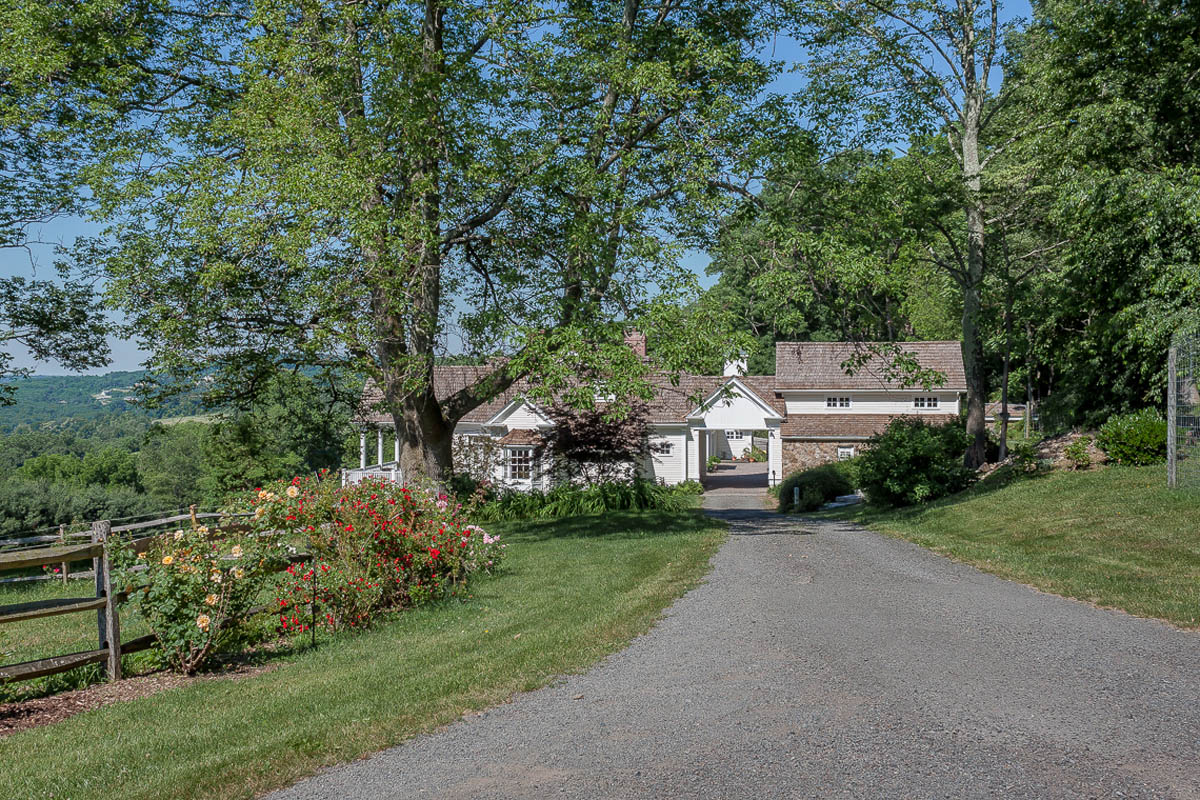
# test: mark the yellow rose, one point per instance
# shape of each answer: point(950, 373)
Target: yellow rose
point(216, 577)
point(238, 572)
point(168, 560)
point(236, 552)
point(178, 535)
point(203, 621)
point(141, 555)
point(293, 491)
point(203, 529)
point(262, 494)
point(211, 600)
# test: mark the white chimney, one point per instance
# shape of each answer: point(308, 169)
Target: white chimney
point(736, 367)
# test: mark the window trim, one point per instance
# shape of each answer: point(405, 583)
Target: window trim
point(510, 454)
point(847, 449)
point(926, 401)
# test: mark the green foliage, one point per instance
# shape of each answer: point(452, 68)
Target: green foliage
point(1121, 121)
point(824, 255)
point(914, 462)
point(713, 462)
point(817, 485)
point(756, 455)
point(196, 589)
point(535, 208)
point(1077, 453)
point(58, 322)
point(1024, 454)
point(570, 500)
point(1136, 439)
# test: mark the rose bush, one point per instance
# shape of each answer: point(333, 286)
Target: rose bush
point(196, 589)
point(373, 546)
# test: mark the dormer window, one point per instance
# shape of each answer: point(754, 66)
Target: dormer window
point(837, 402)
point(925, 401)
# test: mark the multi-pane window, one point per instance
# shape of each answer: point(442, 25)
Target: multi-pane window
point(663, 447)
point(520, 463)
point(733, 434)
point(845, 453)
point(837, 402)
point(925, 401)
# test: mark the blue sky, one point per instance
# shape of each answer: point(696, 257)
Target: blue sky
point(39, 261)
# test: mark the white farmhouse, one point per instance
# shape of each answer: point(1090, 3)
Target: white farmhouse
point(809, 412)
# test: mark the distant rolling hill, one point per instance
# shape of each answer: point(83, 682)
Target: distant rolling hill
point(59, 398)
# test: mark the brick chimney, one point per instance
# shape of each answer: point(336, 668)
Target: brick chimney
point(637, 342)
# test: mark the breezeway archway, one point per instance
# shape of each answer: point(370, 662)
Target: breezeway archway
point(730, 417)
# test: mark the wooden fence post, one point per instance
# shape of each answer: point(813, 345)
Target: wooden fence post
point(107, 621)
point(66, 566)
point(192, 511)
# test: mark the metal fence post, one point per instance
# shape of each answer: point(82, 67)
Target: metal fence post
point(107, 621)
point(1172, 415)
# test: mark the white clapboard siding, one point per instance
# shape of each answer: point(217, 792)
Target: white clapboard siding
point(869, 402)
point(666, 467)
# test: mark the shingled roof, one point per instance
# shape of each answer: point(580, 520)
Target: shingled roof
point(818, 365)
point(671, 403)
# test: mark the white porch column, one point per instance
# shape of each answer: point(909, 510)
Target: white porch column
point(695, 466)
point(396, 445)
point(362, 448)
point(774, 455)
point(379, 445)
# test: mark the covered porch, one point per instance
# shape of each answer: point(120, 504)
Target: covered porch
point(389, 470)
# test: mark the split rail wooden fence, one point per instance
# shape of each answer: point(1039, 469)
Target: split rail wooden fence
point(100, 542)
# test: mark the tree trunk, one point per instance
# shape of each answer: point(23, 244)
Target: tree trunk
point(972, 350)
point(407, 344)
point(972, 283)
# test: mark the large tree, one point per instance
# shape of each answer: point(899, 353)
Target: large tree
point(347, 185)
point(887, 71)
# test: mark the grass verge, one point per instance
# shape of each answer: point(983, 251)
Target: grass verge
point(1115, 537)
point(572, 591)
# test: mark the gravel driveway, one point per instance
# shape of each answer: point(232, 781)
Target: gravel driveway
point(823, 661)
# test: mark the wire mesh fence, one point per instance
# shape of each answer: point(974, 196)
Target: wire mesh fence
point(1183, 410)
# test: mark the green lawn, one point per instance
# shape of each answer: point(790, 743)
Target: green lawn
point(571, 592)
point(1116, 537)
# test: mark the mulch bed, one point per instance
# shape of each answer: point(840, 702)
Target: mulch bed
point(22, 715)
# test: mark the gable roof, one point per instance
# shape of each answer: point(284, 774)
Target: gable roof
point(517, 402)
point(818, 365)
point(671, 402)
point(738, 388)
